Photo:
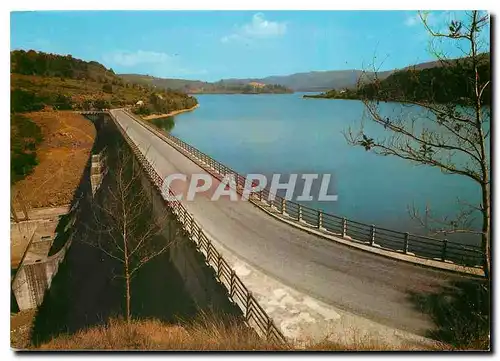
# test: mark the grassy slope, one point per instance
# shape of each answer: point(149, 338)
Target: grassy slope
point(25, 136)
point(79, 90)
point(67, 141)
point(49, 76)
point(205, 334)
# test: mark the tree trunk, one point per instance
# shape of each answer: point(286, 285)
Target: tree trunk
point(485, 237)
point(127, 295)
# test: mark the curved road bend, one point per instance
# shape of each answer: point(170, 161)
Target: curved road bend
point(365, 284)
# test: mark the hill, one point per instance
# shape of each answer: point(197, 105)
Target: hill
point(165, 83)
point(40, 79)
point(51, 82)
point(307, 81)
point(438, 82)
point(326, 80)
point(201, 87)
point(310, 81)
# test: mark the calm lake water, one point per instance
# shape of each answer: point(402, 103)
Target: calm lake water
point(289, 134)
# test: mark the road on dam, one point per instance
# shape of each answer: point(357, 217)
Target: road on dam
point(368, 285)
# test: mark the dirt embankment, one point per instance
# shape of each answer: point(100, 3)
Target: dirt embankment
point(63, 154)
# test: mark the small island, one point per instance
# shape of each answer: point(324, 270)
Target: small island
point(335, 94)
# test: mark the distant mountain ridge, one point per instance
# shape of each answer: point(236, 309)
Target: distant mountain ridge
point(309, 81)
point(197, 86)
point(306, 81)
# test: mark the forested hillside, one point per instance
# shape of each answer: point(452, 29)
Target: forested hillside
point(449, 82)
point(62, 82)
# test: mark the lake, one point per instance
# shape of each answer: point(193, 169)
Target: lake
point(285, 133)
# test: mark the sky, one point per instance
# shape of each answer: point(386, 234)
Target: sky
point(212, 45)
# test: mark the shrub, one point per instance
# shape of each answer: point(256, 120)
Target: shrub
point(101, 104)
point(107, 88)
point(25, 135)
point(63, 102)
point(24, 101)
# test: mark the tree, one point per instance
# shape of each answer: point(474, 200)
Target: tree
point(24, 101)
point(126, 227)
point(452, 136)
point(63, 102)
point(101, 104)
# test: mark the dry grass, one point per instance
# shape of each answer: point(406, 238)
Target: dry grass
point(63, 154)
point(20, 328)
point(205, 334)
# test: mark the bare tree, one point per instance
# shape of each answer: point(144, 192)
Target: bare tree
point(126, 227)
point(448, 125)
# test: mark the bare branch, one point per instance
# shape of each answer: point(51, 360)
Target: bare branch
point(449, 129)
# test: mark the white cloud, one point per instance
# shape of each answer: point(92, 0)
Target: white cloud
point(262, 27)
point(258, 27)
point(127, 58)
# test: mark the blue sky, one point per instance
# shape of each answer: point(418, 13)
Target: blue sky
point(211, 45)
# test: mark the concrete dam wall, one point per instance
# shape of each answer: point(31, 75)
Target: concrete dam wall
point(77, 286)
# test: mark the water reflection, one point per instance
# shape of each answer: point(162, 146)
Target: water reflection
point(166, 124)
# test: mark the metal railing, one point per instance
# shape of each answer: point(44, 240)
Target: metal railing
point(401, 242)
point(255, 316)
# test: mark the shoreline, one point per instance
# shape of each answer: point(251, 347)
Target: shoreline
point(171, 114)
point(238, 93)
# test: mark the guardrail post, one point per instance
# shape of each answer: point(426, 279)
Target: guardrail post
point(283, 206)
point(299, 218)
point(320, 219)
point(249, 300)
point(405, 246)
point(372, 235)
point(344, 227)
point(443, 253)
point(209, 245)
point(231, 286)
point(219, 262)
point(260, 195)
point(268, 327)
